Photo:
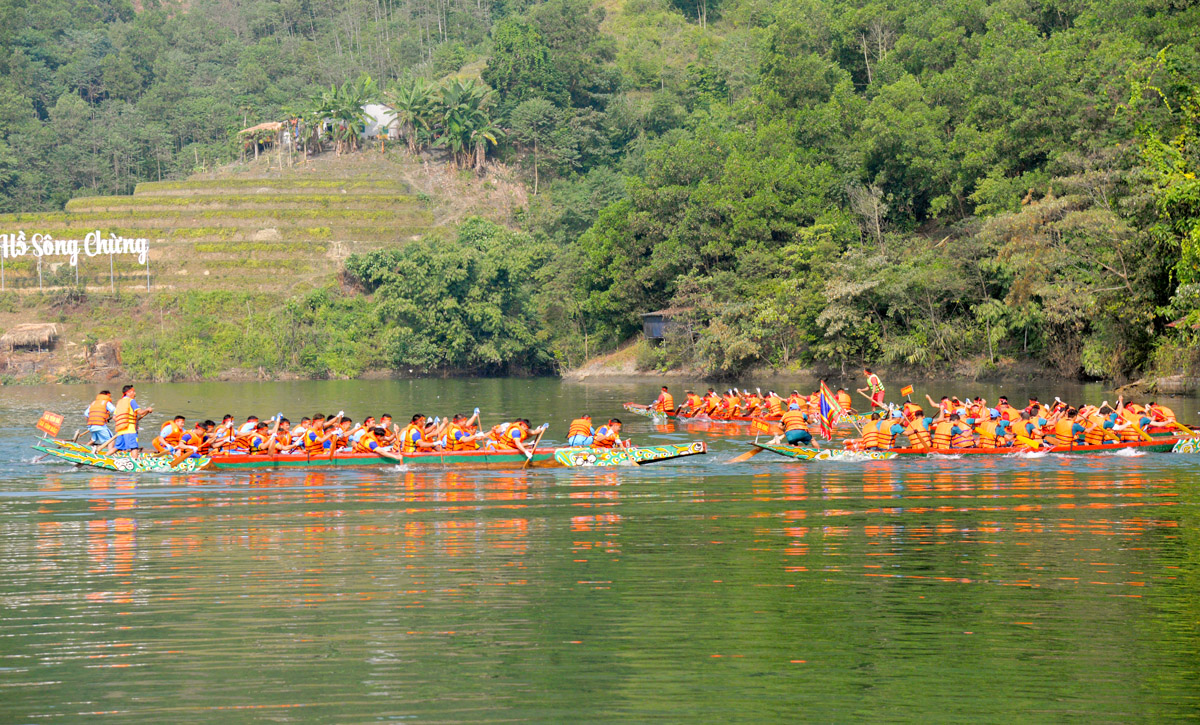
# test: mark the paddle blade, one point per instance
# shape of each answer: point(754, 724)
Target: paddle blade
point(180, 458)
point(745, 456)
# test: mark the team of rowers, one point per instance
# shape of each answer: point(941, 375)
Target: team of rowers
point(974, 424)
point(734, 404)
point(953, 423)
point(323, 435)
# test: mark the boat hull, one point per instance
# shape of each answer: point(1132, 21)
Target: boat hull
point(1158, 445)
point(568, 457)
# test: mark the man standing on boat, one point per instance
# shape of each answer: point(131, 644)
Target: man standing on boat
point(875, 385)
point(125, 418)
point(98, 414)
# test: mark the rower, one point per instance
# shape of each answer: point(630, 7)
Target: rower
point(98, 414)
point(949, 432)
point(514, 435)
point(580, 432)
point(169, 435)
point(369, 442)
point(198, 438)
point(917, 430)
point(222, 438)
point(249, 426)
point(283, 437)
point(1161, 414)
point(712, 401)
point(774, 405)
point(412, 437)
point(887, 429)
point(1067, 431)
point(692, 403)
point(844, 401)
point(609, 435)
point(991, 429)
point(1100, 429)
point(317, 441)
point(461, 435)
point(1027, 432)
point(664, 403)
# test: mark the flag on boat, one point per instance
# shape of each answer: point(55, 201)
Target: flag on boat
point(758, 425)
point(906, 390)
point(830, 411)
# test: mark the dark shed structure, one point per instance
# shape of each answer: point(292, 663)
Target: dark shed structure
point(656, 324)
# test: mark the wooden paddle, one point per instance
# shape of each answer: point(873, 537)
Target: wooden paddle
point(181, 458)
point(533, 448)
point(746, 456)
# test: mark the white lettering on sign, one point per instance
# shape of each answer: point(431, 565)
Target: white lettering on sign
point(17, 244)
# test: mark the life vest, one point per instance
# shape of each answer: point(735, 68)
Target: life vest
point(605, 437)
point(313, 446)
point(514, 433)
point(283, 441)
point(666, 402)
point(987, 434)
point(814, 406)
point(870, 434)
point(1025, 436)
point(1130, 432)
point(910, 410)
point(775, 405)
point(171, 433)
point(918, 435)
point(259, 443)
point(125, 417)
point(874, 383)
point(963, 438)
point(941, 435)
point(947, 407)
point(1064, 431)
point(884, 437)
point(363, 444)
point(1011, 414)
point(409, 436)
point(1096, 432)
point(753, 402)
point(844, 401)
point(1162, 414)
point(97, 413)
point(580, 427)
point(793, 420)
point(695, 402)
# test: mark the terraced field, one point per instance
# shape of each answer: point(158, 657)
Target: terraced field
point(257, 233)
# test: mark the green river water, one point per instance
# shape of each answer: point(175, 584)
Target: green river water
point(1030, 589)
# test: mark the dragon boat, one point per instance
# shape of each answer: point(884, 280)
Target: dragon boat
point(552, 457)
point(649, 412)
point(1187, 444)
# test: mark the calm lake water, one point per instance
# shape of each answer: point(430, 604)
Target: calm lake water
point(1031, 589)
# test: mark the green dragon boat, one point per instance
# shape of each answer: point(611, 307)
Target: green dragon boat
point(555, 457)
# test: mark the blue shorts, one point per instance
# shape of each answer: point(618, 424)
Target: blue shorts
point(100, 434)
point(798, 436)
point(126, 442)
point(580, 440)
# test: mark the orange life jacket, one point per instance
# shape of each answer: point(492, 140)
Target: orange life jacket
point(97, 413)
point(1096, 432)
point(964, 438)
point(363, 444)
point(987, 433)
point(667, 403)
point(844, 400)
point(125, 417)
point(918, 435)
point(407, 438)
point(314, 447)
point(941, 435)
point(884, 437)
point(172, 436)
point(580, 427)
point(1063, 431)
point(793, 420)
point(870, 434)
point(775, 405)
point(605, 437)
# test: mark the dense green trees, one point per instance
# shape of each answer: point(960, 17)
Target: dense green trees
point(809, 181)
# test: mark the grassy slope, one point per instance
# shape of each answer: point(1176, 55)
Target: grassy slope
point(248, 229)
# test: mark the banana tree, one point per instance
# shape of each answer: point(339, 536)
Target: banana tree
point(413, 104)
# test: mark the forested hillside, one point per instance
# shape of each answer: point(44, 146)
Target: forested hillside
point(806, 181)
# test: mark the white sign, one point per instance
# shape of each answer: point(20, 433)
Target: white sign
point(94, 244)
